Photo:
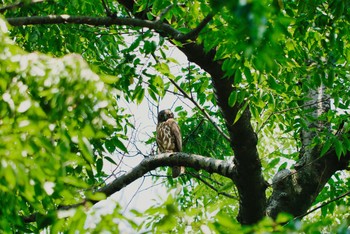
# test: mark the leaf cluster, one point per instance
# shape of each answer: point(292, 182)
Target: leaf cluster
point(55, 114)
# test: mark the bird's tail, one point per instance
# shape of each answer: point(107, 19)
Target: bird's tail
point(178, 171)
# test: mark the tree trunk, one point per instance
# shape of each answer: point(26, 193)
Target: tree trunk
point(296, 190)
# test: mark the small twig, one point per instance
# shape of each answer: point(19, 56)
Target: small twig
point(152, 186)
point(194, 130)
point(189, 77)
point(132, 198)
point(323, 204)
point(290, 109)
point(211, 186)
point(108, 11)
point(164, 12)
point(194, 33)
point(201, 109)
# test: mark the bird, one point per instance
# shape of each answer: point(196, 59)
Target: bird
point(169, 137)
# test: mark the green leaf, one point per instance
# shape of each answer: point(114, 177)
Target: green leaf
point(119, 144)
point(135, 44)
point(86, 149)
point(99, 165)
point(109, 159)
point(283, 166)
point(232, 98)
point(248, 75)
point(240, 112)
point(283, 218)
point(109, 79)
point(45, 220)
point(152, 92)
point(140, 95)
point(95, 196)
point(327, 145)
point(324, 211)
point(273, 84)
point(178, 108)
point(338, 148)
point(238, 77)
point(70, 180)
point(163, 68)
point(110, 146)
point(149, 47)
point(273, 162)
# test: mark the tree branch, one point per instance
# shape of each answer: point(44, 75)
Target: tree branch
point(323, 204)
point(211, 165)
point(108, 21)
point(294, 192)
point(194, 33)
point(107, 10)
point(212, 187)
point(95, 21)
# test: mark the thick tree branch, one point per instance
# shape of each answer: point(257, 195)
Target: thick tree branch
point(211, 165)
point(294, 192)
point(95, 21)
point(108, 21)
point(221, 167)
point(319, 103)
point(194, 33)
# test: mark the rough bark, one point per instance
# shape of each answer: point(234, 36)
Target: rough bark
point(250, 182)
point(317, 103)
point(211, 165)
point(96, 21)
point(295, 191)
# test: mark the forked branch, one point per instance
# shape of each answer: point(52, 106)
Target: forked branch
point(108, 21)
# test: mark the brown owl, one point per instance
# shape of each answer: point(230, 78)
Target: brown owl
point(169, 137)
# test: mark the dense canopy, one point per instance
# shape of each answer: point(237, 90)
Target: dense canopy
point(260, 90)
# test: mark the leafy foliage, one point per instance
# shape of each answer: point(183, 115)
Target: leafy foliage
point(60, 121)
point(50, 123)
